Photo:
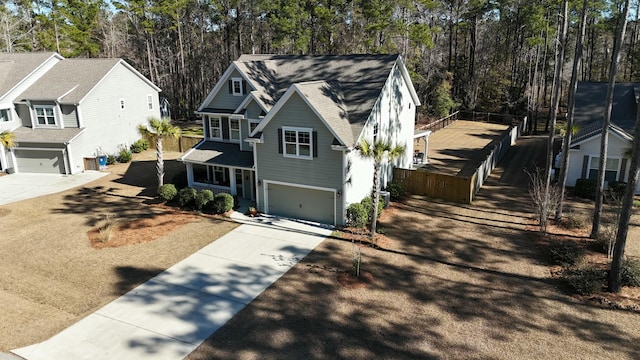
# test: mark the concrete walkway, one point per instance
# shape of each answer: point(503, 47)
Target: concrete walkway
point(170, 315)
point(18, 187)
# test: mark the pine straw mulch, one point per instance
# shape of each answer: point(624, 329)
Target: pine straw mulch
point(114, 233)
point(627, 299)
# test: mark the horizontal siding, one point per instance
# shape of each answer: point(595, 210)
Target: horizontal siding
point(69, 116)
point(224, 99)
point(616, 149)
point(253, 110)
point(24, 114)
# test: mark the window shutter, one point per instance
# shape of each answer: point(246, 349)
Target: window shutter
point(315, 144)
point(244, 87)
point(623, 170)
point(585, 163)
point(279, 141)
point(230, 86)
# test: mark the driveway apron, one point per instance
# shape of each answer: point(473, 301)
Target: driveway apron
point(170, 315)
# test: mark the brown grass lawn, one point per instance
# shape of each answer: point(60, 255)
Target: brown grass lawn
point(452, 282)
point(51, 276)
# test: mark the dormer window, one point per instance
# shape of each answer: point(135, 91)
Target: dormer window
point(236, 87)
point(45, 115)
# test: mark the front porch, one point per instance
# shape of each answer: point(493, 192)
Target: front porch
point(222, 168)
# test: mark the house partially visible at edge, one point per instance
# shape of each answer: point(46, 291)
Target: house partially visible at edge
point(589, 117)
point(282, 131)
point(66, 112)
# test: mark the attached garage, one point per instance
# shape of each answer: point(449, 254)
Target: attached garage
point(313, 204)
point(40, 161)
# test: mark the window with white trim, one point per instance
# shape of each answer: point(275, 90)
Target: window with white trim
point(236, 87)
point(234, 130)
point(45, 115)
point(221, 176)
point(122, 104)
point(612, 168)
point(253, 124)
point(215, 125)
point(149, 102)
point(5, 115)
point(297, 142)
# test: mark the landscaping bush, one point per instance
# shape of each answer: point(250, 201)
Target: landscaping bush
point(124, 156)
point(368, 204)
point(631, 273)
point(222, 203)
point(617, 189)
point(167, 192)
point(601, 244)
point(357, 215)
point(586, 188)
point(111, 159)
point(586, 280)
point(396, 190)
point(566, 253)
point(139, 146)
point(203, 197)
point(575, 221)
point(187, 196)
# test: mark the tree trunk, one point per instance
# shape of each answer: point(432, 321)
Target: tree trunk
point(604, 143)
point(571, 108)
point(562, 40)
point(615, 283)
point(375, 197)
point(159, 161)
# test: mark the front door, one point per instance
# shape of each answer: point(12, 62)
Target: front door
point(239, 186)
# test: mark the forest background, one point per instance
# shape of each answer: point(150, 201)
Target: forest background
point(488, 55)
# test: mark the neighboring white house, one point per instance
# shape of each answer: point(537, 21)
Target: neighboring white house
point(66, 112)
point(589, 114)
point(282, 130)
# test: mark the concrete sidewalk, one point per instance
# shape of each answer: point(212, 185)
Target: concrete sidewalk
point(18, 187)
point(174, 312)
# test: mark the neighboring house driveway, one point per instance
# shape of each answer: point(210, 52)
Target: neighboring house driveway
point(171, 314)
point(17, 187)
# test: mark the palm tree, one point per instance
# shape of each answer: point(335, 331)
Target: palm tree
point(377, 152)
point(8, 139)
point(157, 131)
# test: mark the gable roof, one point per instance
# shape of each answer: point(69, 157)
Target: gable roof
point(70, 80)
point(15, 67)
point(590, 106)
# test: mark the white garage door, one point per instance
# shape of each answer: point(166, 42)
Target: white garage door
point(40, 161)
point(301, 203)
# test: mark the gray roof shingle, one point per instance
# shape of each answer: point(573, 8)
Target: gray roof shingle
point(70, 80)
point(14, 67)
point(590, 106)
point(219, 153)
point(46, 136)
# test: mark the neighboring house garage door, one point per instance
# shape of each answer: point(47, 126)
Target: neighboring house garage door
point(40, 161)
point(301, 203)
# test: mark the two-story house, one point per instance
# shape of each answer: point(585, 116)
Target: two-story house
point(282, 130)
point(66, 112)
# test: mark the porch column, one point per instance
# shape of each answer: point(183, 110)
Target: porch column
point(232, 181)
point(189, 174)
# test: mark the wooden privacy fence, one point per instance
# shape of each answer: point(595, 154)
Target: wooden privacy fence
point(462, 187)
point(446, 187)
point(181, 144)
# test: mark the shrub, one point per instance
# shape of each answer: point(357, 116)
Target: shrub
point(586, 280)
point(566, 253)
point(357, 215)
point(222, 203)
point(111, 159)
point(368, 204)
point(586, 188)
point(167, 192)
point(617, 189)
point(203, 197)
point(124, 156)
point(575, 221)
point(631, 273)
point(396, 190)
point(601, 244)
point(139, 146)
point(187, 196)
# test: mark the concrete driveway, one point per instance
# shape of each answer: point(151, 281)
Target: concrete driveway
point(17, 187)
point(171, 314)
